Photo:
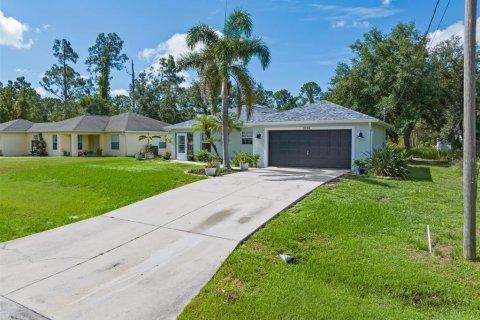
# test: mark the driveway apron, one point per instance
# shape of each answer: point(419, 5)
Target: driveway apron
point(149, 259)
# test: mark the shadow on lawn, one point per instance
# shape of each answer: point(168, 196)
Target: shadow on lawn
point(370, 180)
point(419, 174)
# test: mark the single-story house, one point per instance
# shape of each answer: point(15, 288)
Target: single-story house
point(321, 135)
point(115, 136)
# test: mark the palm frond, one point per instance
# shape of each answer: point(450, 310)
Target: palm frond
point(192, 60)
point(239, 23)
point(201, 34)
point(245, 82)
point(210, 85)
point(255, 47)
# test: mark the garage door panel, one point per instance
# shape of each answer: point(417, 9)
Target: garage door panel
point(310, 148)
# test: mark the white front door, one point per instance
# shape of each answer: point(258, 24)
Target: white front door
point(182, 146)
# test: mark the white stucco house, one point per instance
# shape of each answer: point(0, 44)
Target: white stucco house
point(322, 135)
point(84, 135)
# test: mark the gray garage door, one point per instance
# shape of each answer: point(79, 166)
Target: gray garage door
point(310, 148)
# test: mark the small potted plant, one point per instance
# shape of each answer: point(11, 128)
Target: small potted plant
point(167, 155)
point(210, 169)
point(360, 164)
point(99, 152)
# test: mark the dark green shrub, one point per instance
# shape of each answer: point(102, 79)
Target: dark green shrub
point(388, 162)
point(243, 157)
point(427, 153)
point(203, 156)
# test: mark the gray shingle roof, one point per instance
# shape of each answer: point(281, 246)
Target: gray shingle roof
point(120, 123)
point(18, 125)
point(319, 111)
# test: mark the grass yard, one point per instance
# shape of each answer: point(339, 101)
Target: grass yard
point(37, 194)
point(360, 251)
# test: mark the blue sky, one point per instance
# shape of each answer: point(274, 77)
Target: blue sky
point(306, 38)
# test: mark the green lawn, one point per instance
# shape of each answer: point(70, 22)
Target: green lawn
point(43, 193)
point(360, 250)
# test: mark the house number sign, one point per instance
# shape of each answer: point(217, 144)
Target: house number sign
point(306, 128)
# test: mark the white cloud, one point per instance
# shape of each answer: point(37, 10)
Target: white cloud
point(120, 92)
point(12, 31)
point(353, 24)
point(456, 29)
point(147, 54)
point(41, 91)
point(386, 2)
point(175, 46)
point(355, 17)
point(44, 27)
point(22, 70)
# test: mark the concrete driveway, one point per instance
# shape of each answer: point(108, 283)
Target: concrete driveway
point(149, 259)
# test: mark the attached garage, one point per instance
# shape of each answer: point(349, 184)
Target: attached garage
point(310, 148)
point(318, 135)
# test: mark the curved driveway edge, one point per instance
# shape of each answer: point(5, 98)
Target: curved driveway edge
point(149, 259)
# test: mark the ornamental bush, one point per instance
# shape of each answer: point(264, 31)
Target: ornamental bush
point(203, 156)
point(388, 162)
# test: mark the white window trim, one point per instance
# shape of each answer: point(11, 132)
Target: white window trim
point(247, 135)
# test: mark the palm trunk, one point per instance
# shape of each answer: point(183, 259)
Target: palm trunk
point(226, 159)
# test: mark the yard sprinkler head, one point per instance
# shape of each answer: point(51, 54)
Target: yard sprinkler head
point(285, 258)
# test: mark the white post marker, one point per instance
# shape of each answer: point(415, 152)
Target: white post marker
point(429, 240)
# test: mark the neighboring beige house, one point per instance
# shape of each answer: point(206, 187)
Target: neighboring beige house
point(115, 136)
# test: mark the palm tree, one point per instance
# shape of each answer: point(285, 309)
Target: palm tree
point(206, 124)
point(223, 57)
point(149, 139)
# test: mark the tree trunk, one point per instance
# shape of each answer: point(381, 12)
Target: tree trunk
point(407, 137)
point(226, 158)
point(209, 138)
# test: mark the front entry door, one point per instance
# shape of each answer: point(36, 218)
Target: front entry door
point(182, 146)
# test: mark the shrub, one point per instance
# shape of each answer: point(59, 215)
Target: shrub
point(361, 163)
point(427, 153)
point(203, 156)
point(243, 157)
point(167, 155)
point(388, 162)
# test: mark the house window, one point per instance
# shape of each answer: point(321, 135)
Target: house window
point(247, 137)
point(162, 145)
point(115, 145)
point(79, 142)
point(205, 144)
point(54, 142)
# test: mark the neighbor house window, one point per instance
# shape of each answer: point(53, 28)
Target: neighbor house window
point(205, 143)
point(115, 142)
point(247, 137)
point(54, 142)
point(79, 142)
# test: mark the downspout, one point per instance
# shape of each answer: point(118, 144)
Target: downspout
point(371, 138)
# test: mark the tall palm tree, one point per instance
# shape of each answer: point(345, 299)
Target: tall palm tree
point(223, 57)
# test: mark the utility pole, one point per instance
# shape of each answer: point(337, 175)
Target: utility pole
point(132, 90)
point(469, 130)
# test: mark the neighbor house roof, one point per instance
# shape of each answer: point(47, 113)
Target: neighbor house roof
point(322, 111)
point(18, 125)
point(124, 122)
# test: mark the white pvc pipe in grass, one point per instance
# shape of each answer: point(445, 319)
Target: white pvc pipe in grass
point(429, 240)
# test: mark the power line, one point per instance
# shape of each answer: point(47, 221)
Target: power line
point(431, 19)
point(440, 22)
